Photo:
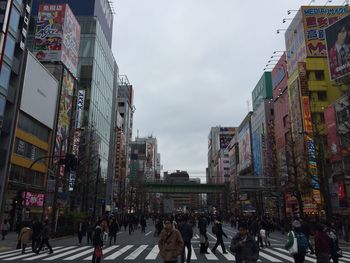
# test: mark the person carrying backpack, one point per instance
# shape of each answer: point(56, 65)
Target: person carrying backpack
point(217, 228)
point(298, 250)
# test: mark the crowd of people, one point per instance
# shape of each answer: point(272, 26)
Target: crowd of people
point(176, 231)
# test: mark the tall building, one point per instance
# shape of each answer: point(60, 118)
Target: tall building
point(15, 15)
point(310, 91)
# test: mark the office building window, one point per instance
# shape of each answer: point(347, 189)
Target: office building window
point(319, 74)
point(5, 76)
point(25, 176)
point(10, 47)
point(28, 125)
point(14, 19)
point(19, 1)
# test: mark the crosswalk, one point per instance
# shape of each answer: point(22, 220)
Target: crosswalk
point(147, 253)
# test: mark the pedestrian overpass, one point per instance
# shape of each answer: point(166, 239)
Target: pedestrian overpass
point(176, 187)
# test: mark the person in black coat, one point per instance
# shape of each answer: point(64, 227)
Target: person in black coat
point(219, 234)
point(45, 233)
point(202, 226)
point(97, 242)
point(113, 229)
point(186, 231)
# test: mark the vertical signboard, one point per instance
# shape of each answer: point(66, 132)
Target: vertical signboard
point(334, 149)
point(65, 113)
point(257, 153)
point(71, 41)
point(57, 36)
point(79, 109)
point(245, 153)
point(316, 19)
point(5, 7)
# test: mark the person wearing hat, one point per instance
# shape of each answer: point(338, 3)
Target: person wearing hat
point(244, 246)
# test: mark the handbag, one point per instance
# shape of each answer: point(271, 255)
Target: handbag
point(98, 252)
point(294, 248)
point(19, 244)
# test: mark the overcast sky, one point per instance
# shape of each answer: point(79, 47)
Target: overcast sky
point(193, 65)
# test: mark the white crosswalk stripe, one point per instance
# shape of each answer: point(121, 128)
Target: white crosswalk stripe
point(149, 253)
point(136, 253)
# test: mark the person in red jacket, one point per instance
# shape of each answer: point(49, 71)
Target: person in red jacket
point(322, 245)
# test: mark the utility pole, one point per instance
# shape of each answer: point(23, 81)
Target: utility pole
point(96, 188)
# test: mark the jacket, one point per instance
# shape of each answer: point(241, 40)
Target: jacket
point(322, 243)
point(186, 231)
point(220, 232)
point(247, 251)
point(25, 235)
point(97, 237)
point(170, 244)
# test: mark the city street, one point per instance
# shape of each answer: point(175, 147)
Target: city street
point(142, 247)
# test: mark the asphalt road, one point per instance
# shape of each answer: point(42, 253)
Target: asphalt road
point(142, 247)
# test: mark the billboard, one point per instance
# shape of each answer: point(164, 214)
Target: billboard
point(225, 139)
point(150, 155)
point(99, 8)
point(33, 199)
point(79, 109)
point(245, 153)
point(257, 153)
point(65, 113)
point(316, 19)
point(338, 49)
point(334, 148)
point(57, 36)
point(40, 91)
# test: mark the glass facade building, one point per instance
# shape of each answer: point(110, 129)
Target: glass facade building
point(96, 74)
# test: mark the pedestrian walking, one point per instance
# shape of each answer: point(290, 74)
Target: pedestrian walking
point(202, 226)
point(143, 224)
point(297, 243)
point(89, 232)
point(5, 228)
point(217, 230)
point(45, 233)
point(97, 242)
point(81, 230)
point(186, 231)
point(322, 244)
point(170, 242)
point(244, 246)
point(24, 236)
point(113, 229)
point(264, 240)
point(336, 252)
point(36, 234)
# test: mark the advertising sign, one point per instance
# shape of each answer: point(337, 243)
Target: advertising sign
point(245, 153)
point(71, 41)
point(65, 113)
point(57, 36)
point(33, 199)
point(257, 153)
point(150, 155)
point(338, 50)
point(334, 148)
point(316, 19)
point(225, 139)
point(40, 91)
point(79, 109)
point(295, 106)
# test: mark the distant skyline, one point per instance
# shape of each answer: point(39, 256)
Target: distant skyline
point(193, 65)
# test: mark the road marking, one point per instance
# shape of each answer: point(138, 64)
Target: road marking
point(104, 251)
point(279, 254)
point(193, 254)
point(148, 233)
point(136, 253)
point(229, 256)
point(119, 252)
point(66, 253)
point(306, 257)
point(268, 257)
point(45, 254)
point(211, 235)
point(14, 251)
point(25, 255)
point(153, 254)
point(80, 254)
point(210, 256)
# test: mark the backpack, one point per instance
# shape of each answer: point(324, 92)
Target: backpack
point(303, 242)
point(215, 229)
